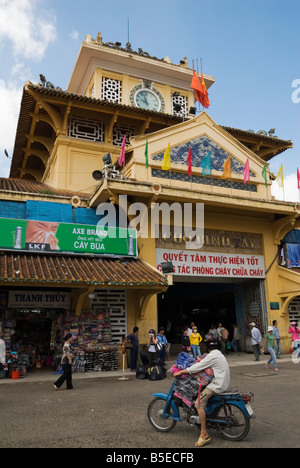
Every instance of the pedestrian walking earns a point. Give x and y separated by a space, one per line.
2 349
195 340
66 362
295 332
277 336
134 348
270 340
164 343
152 342
255 340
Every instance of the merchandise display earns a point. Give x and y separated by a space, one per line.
92 341
34 340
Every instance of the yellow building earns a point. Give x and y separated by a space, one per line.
236 276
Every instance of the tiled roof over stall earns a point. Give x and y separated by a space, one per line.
59 269
37 188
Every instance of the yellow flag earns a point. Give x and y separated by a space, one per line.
227 169
166 163
279 177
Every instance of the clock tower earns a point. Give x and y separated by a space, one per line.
114 92
121 75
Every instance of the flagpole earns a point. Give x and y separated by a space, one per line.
198 74
211 178
201 76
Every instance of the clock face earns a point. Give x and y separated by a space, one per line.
146 99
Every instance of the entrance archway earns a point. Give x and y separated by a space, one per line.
294 310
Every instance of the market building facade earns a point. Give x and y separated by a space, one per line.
65 174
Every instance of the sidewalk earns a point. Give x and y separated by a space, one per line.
234 360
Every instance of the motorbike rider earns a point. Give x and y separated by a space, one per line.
220 383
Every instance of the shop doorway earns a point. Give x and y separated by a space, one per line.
28 333
201 303
34 331
210 303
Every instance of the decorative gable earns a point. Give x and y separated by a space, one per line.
200 147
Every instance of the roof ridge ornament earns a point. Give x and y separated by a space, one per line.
128 48
47 84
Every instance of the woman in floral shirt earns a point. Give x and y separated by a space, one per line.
66 363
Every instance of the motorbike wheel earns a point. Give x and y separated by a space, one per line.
238 426
155 411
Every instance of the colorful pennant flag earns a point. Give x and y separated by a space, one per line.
122 155
227 169
206 164
279 177
166 163
264 174
146 155
246 172
298 178
189 161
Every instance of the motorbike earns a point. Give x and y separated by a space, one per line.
229 413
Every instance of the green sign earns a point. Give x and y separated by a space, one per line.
44 236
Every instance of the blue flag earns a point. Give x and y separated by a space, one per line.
206 164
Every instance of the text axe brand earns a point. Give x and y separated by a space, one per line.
46 236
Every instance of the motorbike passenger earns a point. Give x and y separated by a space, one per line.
220 383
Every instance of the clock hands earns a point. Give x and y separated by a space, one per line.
146 100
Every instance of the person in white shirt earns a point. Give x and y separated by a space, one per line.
2 349
255 341
190 329
213 331
219 384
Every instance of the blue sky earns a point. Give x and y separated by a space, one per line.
251 47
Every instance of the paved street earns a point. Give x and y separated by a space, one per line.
109 413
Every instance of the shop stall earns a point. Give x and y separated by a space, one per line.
92 344
33 328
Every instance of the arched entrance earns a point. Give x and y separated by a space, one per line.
294 310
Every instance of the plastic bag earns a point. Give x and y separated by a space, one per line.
185 360
187 388
156 373
141 372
